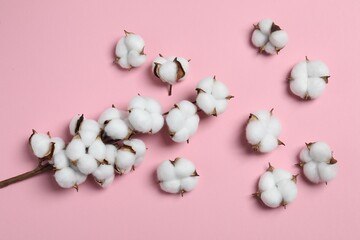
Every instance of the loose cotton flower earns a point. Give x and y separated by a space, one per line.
182 121
130 155
178 176
145 114
263 130
269 37
212 96
308 79
130 51
276 188
318 163
170 69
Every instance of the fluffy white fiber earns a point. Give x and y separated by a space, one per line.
263 131
268 37
318 163
145 114
309 78
130 155
182 121
212 96
277 187
130 51
178 176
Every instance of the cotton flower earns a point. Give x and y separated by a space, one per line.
87 129
182 121
145 114
44 146
269 37
130 51
178 176
263 130
309 78
170 69
212 96
110 114
276 188
129 156
318 162
104 175
68 177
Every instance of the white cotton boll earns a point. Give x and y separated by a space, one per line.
124 161
103 172
276 187
189 183
269 37
168 72
110 154
130 51
268 143
109 114
137 145
40 144
271 198
318 163
87 164
75 149
299 86
263 130
278 39
206 103
184 167
60 160
117 129
258 38
309 78
166 171
316 87
320 152
65 177
327 172
136 59
98 150
175 120
265 25
74 123
172 186
266 181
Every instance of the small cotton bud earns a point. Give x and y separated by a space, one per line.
212 96
269 37
308 79
130 51
75 149
145 114
263 131
276 188
87 164
117 129
103 172
66 177
97 150
318 162
178 176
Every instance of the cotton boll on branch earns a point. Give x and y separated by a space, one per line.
269 37
170 70
177 176
130 51
212 96
318 163
129 156
263 130
309 78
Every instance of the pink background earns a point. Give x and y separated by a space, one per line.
56 60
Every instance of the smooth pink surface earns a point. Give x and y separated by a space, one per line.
56 60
